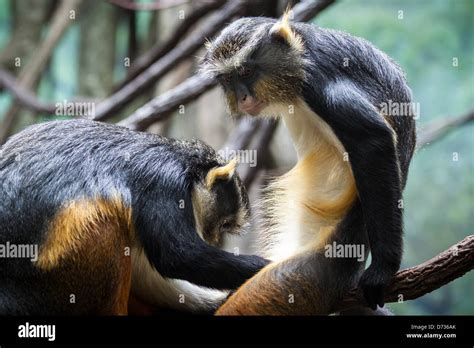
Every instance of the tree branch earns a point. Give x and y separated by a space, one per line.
261 145
31 73
182 51
162 107
307 9
23 95
420 280
242 134
439 128
160 49
30 101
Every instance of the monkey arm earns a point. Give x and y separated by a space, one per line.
173 246
208 266
370 144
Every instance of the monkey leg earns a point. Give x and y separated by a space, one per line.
306 284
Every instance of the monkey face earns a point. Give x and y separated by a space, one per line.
258 62
239 87
220 204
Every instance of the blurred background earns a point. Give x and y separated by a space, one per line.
136 62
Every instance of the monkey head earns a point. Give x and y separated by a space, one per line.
258 62
220 204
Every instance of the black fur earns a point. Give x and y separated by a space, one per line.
69 160
348 99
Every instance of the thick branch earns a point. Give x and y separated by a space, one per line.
182 51
439 128
161 107
253 134
420 280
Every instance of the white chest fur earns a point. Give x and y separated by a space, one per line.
305 205
151 287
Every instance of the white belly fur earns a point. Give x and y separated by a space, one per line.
151 287
305 205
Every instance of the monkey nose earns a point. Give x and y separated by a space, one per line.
250 105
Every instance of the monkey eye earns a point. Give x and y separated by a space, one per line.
246 72
227 78
226 225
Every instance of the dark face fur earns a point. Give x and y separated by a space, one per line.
258 62
220 205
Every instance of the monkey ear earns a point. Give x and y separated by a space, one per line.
208 44
221 173
281 30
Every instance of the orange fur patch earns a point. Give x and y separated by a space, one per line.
283 29
277 290
76 222
221 173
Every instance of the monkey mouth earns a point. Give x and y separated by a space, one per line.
254 108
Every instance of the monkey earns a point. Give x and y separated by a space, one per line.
329 88
113 211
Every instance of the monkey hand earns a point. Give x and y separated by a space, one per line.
373 283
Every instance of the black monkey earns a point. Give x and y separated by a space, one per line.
335 94
105 205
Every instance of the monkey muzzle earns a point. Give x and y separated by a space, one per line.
250 105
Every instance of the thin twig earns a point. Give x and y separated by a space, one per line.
439 128
23 95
